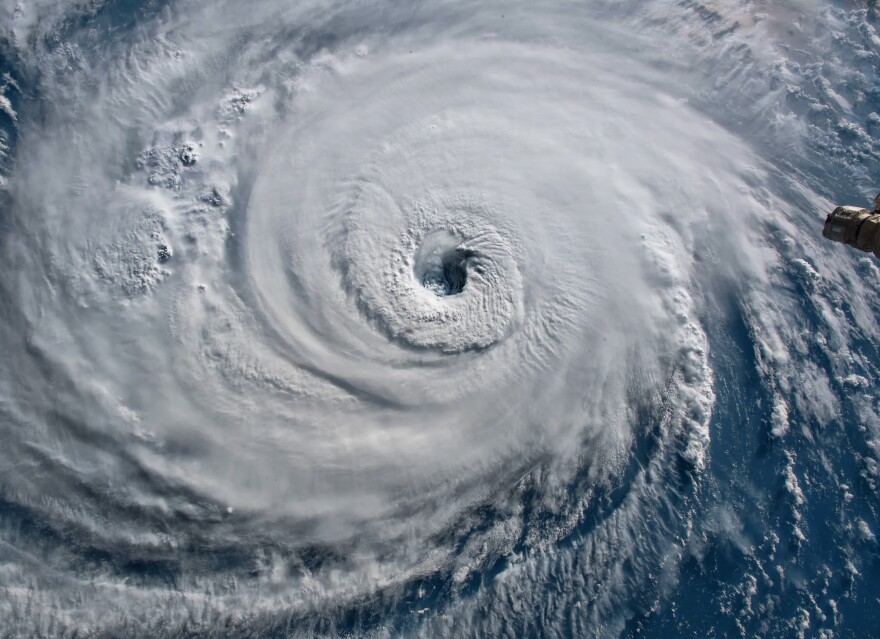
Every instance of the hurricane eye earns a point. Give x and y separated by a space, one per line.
442 263
449 276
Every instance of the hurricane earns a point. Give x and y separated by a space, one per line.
450 319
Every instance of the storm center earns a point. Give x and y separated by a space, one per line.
441 264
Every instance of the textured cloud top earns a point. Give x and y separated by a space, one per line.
376 320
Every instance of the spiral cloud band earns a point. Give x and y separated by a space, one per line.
372 321
350 219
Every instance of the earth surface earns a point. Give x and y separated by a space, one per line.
440 319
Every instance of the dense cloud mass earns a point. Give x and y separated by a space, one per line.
437 319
